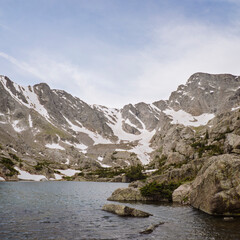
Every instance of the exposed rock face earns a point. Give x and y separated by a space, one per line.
181 194
232 143
216 189
125 211
206 93
127 194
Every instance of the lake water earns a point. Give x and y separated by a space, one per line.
72 210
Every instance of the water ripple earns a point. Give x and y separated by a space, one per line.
72 210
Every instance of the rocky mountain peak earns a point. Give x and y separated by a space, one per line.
206 93
54 123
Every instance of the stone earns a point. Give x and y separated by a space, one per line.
125 211
216 189
152 227
228 219
181 194
127 194
233 141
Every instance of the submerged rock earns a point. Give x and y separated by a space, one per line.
216 189
122 210
228 219
150 229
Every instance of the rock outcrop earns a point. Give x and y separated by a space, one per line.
181 194
216 189
127 194
125 211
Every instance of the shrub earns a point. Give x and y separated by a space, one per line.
107 172
162 160
200 147
67 178
8 163
220 137
41 165
207 135
38 167
163 191
15 157
81 174
135 173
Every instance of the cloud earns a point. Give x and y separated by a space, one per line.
61 75
182 49
114 76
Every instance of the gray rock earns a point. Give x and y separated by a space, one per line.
216 189
181 194
232 141
228 219
127 194
152 227
125 211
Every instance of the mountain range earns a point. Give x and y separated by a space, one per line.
40 125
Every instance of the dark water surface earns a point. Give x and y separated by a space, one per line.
72 210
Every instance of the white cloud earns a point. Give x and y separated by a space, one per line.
177 50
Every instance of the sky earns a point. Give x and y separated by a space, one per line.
115 52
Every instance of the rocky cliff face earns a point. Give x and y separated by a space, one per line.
40 125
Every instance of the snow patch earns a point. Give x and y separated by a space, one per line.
97 138
120 150
2 179
57 176
67 161
182 117
99 160
155 108
233 109
130 124
28 176
142 123
103 165
54 146
143 148
30 121
16 127
31 97
150 171
79 146
127 162
68 172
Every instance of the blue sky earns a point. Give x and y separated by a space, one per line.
113 52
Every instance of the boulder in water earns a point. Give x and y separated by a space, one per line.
122 210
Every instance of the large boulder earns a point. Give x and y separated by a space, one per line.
181 194
232 143
216 189
122 210
127 194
